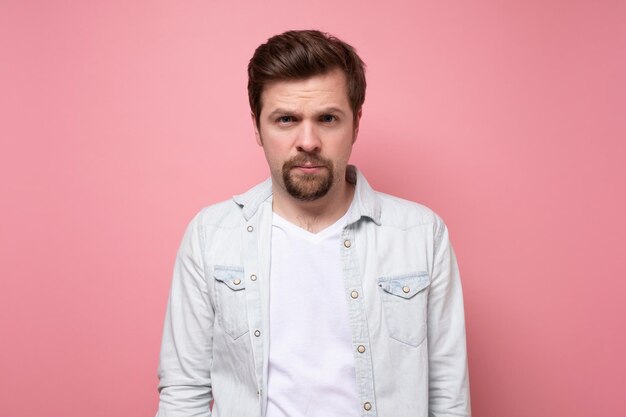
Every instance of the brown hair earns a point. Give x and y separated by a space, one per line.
300 54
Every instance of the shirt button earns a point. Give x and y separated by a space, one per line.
406 290
367 406
237 282
250 228
252 277
257 333
354 294
361 348
347 243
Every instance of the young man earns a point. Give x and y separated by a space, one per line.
312 294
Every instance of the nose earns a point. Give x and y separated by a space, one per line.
308 139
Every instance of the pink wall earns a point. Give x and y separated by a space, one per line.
120 119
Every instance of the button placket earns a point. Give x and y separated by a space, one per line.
360 337
251 233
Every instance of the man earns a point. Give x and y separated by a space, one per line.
312 294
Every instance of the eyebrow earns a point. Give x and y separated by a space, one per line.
278 111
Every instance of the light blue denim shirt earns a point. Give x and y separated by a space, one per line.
404 297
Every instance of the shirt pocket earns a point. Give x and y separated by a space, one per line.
230 297
405 301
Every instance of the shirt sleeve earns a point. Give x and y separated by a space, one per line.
448 372
186 348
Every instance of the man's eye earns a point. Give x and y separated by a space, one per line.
328 118
285 119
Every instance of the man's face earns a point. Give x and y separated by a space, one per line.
307 130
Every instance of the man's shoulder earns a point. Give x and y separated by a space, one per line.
226 213
234 211
402 213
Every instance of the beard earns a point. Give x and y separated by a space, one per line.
308 187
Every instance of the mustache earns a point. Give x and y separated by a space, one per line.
307 159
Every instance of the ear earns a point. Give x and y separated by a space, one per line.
259 140
357 122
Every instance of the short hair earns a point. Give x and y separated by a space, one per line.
300 54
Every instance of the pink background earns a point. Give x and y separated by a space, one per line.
120 119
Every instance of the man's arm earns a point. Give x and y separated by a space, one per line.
186 349
448 374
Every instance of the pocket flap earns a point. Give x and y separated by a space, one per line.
405 286
232 276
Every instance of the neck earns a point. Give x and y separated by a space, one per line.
316 215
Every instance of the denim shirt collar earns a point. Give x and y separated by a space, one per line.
366 202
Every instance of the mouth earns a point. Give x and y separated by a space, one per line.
309 168
307 165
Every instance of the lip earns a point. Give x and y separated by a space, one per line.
309 168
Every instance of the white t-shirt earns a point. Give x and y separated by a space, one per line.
311 363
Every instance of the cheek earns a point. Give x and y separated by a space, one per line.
347 146
275 156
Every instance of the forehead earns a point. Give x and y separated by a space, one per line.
319 90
